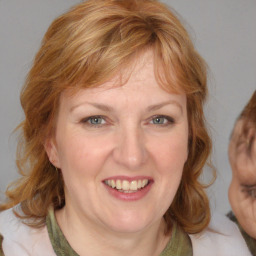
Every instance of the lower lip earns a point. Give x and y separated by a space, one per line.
134 196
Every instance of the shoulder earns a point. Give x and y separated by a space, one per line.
221 238
20 239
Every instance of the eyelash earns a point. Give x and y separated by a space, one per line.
168 121
250 190
88 120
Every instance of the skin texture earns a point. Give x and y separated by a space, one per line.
128 142
242 190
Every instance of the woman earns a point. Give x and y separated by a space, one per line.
242 157
114 140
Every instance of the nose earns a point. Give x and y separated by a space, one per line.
130 150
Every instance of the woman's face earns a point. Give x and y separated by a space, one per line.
121 150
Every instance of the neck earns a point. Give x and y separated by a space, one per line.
88 238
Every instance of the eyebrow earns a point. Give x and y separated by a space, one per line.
96 105
107 108
162 104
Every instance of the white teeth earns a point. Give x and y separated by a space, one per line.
118 184
126 186
139 185
133 185
144 183
113 184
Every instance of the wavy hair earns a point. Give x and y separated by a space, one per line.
248 115
84 48
249 112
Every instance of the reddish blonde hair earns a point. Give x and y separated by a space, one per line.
84 48
249 112
248 116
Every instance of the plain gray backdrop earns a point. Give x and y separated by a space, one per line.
224 32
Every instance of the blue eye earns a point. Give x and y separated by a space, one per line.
96 120
159 120
162 120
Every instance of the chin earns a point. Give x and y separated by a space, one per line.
129 223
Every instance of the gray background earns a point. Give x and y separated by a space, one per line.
223 31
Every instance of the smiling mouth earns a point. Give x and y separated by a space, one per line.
126 186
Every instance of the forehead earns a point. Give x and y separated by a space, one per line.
138 80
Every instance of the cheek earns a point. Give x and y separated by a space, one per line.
81 156
79 166
171 153
170 164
